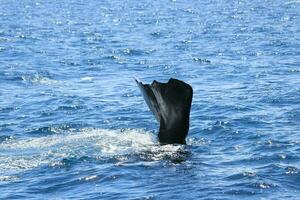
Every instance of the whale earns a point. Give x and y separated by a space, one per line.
171 104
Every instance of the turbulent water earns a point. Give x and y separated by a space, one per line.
73 124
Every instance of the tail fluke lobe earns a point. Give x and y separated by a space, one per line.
171 104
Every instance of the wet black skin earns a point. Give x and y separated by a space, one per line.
171 104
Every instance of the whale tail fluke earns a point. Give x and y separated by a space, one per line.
171 104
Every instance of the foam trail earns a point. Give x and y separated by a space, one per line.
23 154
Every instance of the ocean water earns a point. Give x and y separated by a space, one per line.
73 124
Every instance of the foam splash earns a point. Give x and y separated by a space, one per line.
18 155
87 79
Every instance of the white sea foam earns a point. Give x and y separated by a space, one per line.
86 78
24 154
17 155
292 2
8 178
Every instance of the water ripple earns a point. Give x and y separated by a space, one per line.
73 123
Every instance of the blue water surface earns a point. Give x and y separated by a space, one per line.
73 124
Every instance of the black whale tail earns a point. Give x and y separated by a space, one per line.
171 104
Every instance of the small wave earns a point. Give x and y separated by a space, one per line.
2 49
55 129
69 63
293 2
242 175
264 185
156 34
200 60
136 52
70 107
4 137
38 79
8 109
87 79
45 131
198 141
89 178
112 57
8 178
